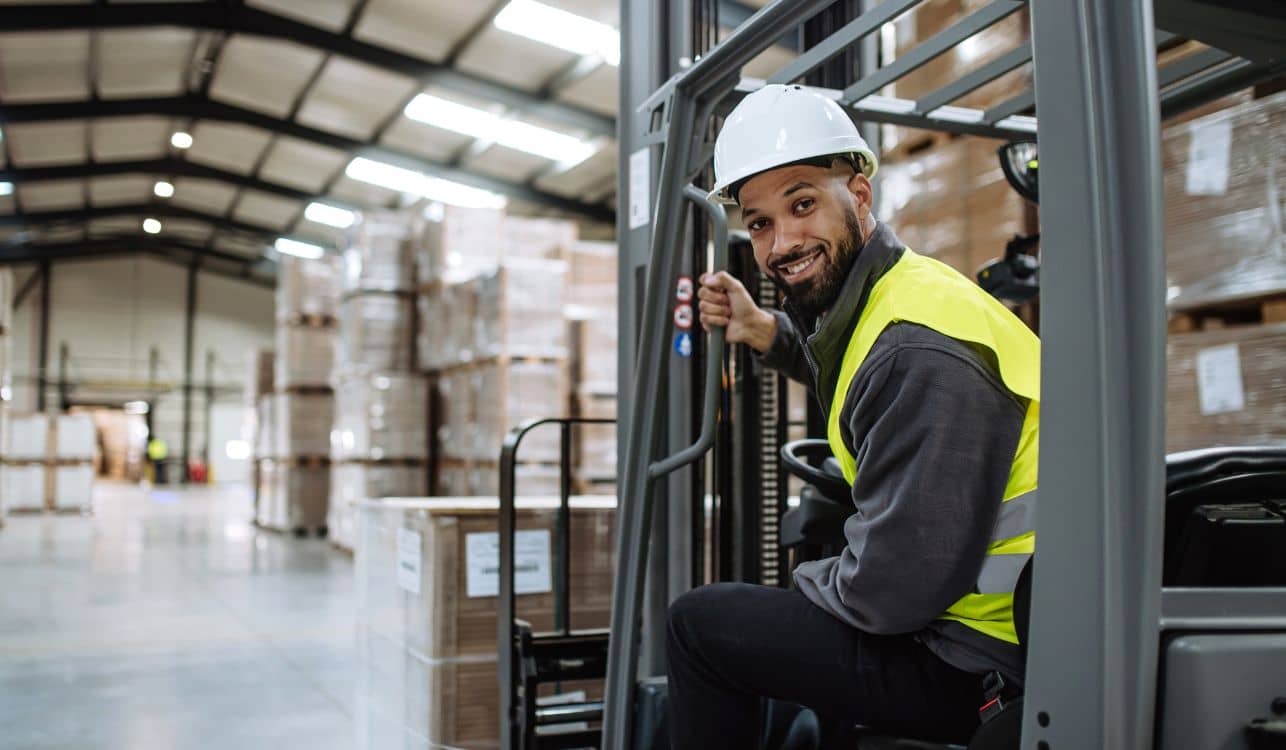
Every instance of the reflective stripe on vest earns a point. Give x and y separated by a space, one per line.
923 291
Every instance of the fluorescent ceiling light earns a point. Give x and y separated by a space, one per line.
331 216
486 126
298 249
163 189
419 184
151 226
561 29
181 140
136 407
6 188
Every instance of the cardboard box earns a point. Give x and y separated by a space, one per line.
1223 184
381 416
302 423
427 624
381 257
355 481
74 437
1226 387
305 356
23 486
306 287
71 486
376 333
293 496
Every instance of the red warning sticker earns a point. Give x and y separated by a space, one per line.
685 289
683 316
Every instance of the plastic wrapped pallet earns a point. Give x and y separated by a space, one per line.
429 348
506 394
266 427
459 312
1226 387
307 288
376 333
460 240
380 257
427 610
71 486
270 511
23 486
381 416
595 443
356 481
302 422
1225 240
305 356
74 437
524 238
519 311
28 437
303 493
457 427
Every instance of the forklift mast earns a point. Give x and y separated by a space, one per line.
1099 96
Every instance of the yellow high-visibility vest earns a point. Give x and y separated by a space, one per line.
926 292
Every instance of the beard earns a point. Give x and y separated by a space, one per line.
814 296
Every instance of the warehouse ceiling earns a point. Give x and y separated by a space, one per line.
225 121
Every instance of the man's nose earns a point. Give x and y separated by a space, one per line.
787 239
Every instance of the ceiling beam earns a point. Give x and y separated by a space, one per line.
732 14
172 251
243 20
206 109
156 210
167 167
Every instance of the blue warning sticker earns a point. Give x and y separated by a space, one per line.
683 344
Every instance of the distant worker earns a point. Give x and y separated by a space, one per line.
931 390
157 452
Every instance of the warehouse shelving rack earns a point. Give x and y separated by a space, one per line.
1099 97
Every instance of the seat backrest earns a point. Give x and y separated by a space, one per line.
1022 604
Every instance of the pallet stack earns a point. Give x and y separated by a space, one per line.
591 310
295 419
427 588
494 333
49 465
1226 273
380 438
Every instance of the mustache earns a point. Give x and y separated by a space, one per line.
778 265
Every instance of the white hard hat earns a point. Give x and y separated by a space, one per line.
779 125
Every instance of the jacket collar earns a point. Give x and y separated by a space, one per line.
830 336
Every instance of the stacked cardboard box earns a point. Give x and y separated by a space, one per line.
50 462
427 583
591 309
380 444
293 419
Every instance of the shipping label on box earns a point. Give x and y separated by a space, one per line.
408 560
532 563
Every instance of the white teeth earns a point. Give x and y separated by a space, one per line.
796 268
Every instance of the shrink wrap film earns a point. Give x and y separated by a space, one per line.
74 437
381 256
535 239
1224 185
426 647
457 240
519 311
596 443
23 487
307 287
376 334
508 394
381 416
305 356
354 482
266 427
292 496
457 426
303 422
28 437
71 487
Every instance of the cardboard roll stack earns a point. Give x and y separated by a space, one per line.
427 603
380 436
294 413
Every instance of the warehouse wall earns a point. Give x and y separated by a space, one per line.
111 313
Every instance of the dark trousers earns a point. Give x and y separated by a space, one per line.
730 645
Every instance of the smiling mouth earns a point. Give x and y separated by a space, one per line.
793 269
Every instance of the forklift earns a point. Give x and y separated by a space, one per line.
1156 615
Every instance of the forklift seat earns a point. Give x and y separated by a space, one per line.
1225 525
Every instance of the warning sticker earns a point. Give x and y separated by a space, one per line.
683 316
685 289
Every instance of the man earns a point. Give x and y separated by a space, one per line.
931 392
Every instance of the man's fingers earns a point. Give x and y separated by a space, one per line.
713 319
715 308
714 295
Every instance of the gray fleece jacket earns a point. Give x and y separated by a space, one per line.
934 431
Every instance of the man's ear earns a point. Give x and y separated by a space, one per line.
860 188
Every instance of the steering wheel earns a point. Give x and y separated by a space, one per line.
811 460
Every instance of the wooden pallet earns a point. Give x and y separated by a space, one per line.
310 320
1257 311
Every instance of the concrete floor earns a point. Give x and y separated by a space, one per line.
166 620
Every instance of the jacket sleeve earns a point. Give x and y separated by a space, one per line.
786 354
937 432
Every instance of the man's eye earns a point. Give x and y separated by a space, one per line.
757 224
804 205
